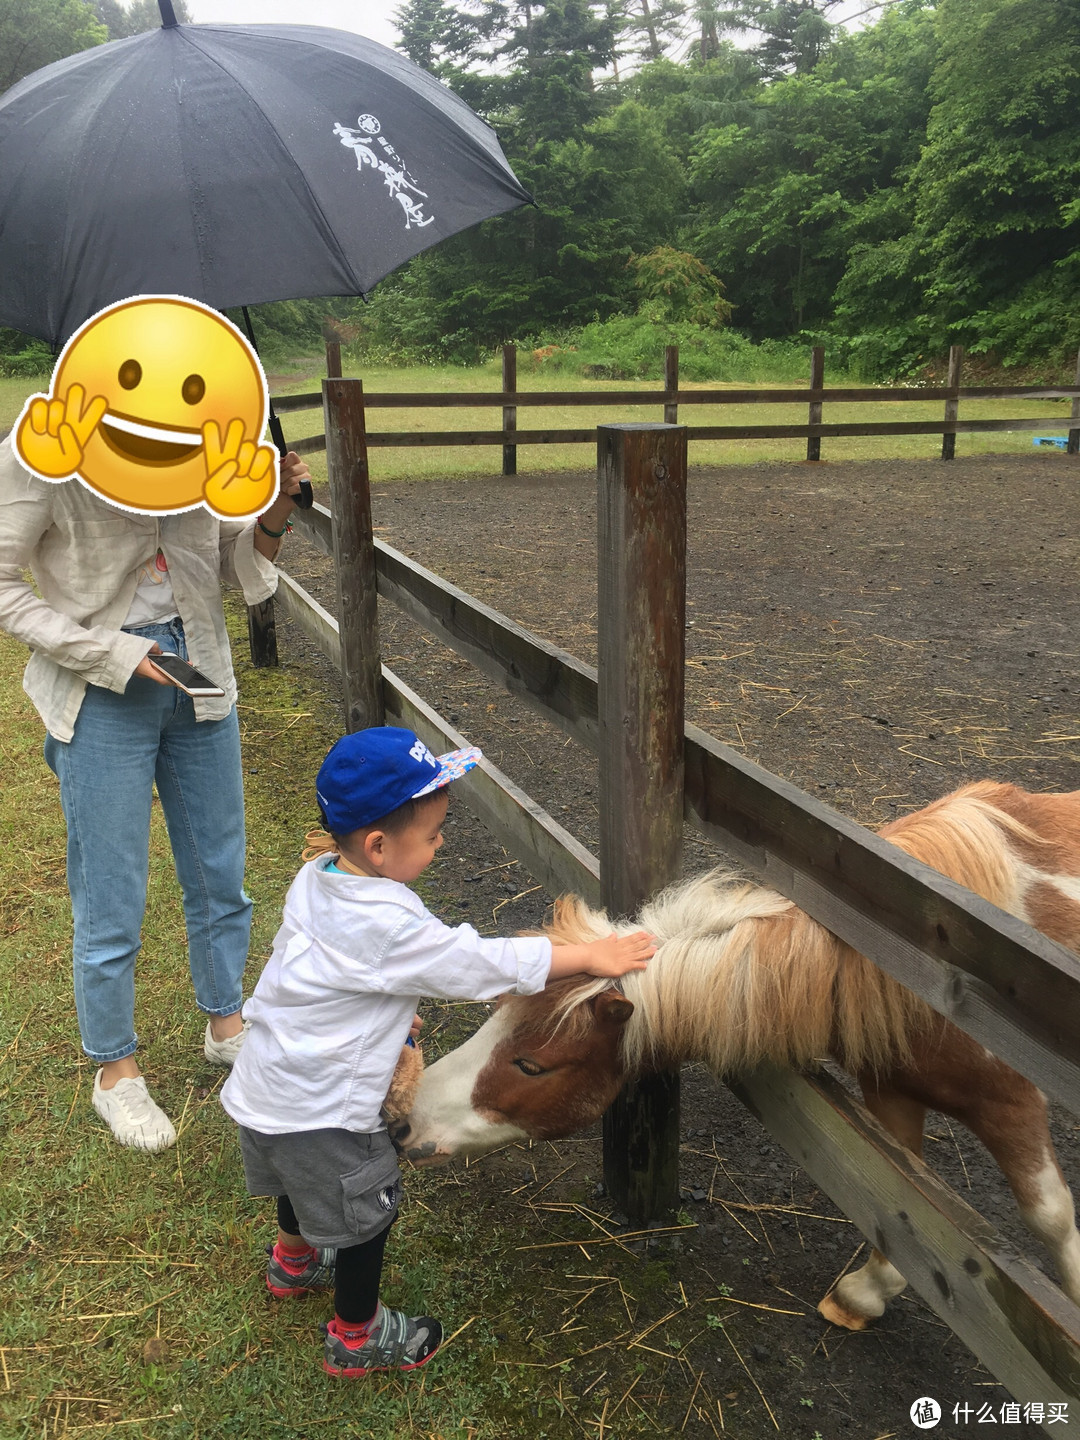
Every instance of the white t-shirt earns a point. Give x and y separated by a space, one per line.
334 1004
153 602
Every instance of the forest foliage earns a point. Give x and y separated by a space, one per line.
700 166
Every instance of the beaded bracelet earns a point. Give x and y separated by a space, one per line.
274 534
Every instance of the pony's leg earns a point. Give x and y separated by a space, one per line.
1018 1137
862 1296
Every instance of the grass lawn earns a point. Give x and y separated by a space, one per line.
133 1296
422 462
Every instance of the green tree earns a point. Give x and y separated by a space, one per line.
437 36
676 287
34 33
552 50
601 197
785 196
796 34
691 99
648 28
984 246
1000 170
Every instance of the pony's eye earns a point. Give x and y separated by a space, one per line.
529 1067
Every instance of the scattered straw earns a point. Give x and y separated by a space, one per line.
750 1304
749 1372
693 1397
609 1240
458 1331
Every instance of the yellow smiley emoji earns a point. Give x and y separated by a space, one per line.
157 403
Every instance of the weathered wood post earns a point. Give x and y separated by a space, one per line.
952 407
641 506
354 551
509 385
817 382
333 359
1073 447
262 634
671 382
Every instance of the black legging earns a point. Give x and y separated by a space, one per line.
358 1272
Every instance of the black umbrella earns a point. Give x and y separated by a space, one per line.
231 164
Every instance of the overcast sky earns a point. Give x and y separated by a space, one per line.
366 17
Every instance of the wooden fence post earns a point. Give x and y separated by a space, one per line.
509 385
262 634
641 504
952 407
333 359
817 382
671 382
354 551
1073 447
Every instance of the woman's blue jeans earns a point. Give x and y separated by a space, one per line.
122 744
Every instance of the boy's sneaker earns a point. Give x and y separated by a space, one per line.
394 1341
224 1052
285 1278
132 1116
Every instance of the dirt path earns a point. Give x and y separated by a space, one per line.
877 633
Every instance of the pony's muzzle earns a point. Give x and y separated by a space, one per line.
398 1130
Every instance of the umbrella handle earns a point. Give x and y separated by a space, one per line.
306 498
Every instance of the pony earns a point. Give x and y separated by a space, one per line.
742 976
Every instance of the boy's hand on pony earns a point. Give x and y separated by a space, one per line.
608 958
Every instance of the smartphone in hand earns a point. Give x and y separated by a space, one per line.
184 676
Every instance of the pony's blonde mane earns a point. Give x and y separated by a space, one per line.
741 975
966 836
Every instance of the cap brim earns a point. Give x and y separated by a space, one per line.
452 767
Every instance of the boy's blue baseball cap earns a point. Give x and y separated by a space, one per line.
371 772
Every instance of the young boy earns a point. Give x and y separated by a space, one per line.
328 1018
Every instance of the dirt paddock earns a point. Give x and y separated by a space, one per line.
878 633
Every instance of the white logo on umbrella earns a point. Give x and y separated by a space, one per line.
362 142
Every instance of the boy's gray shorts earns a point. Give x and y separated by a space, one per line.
344 1188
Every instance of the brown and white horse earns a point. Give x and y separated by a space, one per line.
743 976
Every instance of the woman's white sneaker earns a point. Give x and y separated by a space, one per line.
132 1116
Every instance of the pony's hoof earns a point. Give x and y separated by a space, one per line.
837 1314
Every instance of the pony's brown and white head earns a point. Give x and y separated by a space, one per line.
543 1066
739 977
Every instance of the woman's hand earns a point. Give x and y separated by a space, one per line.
292 470
147 671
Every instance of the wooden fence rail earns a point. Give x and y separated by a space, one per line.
1008 986
511 401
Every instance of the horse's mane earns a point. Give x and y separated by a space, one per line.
742 975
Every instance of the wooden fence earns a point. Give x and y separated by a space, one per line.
510 400
1010 987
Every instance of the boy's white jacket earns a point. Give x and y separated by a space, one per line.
334 1004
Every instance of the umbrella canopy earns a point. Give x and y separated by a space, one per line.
233 165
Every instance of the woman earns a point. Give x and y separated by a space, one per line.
114 588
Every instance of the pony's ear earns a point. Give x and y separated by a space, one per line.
611 1008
